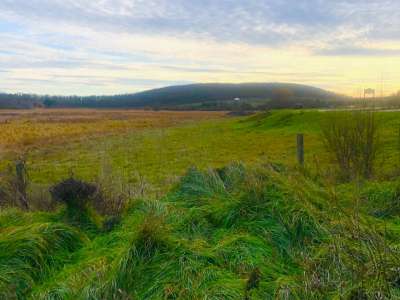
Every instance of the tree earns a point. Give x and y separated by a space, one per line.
49 103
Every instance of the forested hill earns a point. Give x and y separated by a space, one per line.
210 95
195 96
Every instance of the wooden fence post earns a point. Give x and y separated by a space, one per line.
300 149
21 183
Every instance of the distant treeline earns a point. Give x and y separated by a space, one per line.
19 101
27 101
203 97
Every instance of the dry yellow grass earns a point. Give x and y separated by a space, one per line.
22 129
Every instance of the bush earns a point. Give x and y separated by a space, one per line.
116 190
353 141
75 194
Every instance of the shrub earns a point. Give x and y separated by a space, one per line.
116 190
353 141
75 194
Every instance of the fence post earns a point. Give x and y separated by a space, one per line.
21 183
300 149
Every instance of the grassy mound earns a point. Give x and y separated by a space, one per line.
231 233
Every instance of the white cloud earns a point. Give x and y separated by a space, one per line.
107 46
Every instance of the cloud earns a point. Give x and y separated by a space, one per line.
107 46
150 82
358 51
250 21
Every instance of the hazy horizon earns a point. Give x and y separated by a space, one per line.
126 46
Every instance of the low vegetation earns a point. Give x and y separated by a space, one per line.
231 233
258 229
23 130
354 141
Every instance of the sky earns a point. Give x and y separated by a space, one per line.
86 47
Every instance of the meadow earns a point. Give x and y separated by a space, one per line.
24 129
196 205
161 146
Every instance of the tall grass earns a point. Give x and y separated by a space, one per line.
30 130
230 233
29 252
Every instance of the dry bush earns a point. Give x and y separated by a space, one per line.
353 140
73 192
115 190
14 183
40 199
76 195
16 190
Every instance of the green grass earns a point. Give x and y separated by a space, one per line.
217 229
161 155
207 237
29 252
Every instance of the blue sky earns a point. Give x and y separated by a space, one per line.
120 46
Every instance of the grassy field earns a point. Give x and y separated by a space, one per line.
219 210
30 129
161 146
58 142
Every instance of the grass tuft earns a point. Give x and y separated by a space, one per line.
29 252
